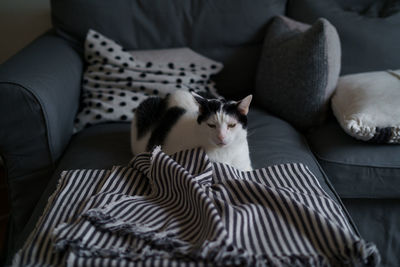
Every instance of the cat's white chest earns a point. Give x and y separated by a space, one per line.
236 155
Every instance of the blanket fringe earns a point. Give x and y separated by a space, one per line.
165 245
367 254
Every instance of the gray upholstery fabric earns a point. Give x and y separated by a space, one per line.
226 31
368 30
379 221
355 168
367 178
97 147
39 95
298 70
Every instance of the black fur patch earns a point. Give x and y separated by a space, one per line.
232 110
207 108
210 107
148 114
164 125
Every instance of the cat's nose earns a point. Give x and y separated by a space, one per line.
221 137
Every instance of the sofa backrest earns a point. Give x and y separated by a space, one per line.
229 31
232 31
369 30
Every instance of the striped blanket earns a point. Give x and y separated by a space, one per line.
184 210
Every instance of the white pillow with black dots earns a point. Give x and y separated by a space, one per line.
116 81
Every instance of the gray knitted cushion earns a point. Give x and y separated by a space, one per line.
298 70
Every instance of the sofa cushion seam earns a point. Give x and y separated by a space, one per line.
355 164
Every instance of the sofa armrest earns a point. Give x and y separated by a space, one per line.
39 97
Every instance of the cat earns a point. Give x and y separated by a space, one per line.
186 120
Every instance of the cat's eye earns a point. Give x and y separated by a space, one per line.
211 125
232 125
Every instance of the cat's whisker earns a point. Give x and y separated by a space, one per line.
250 133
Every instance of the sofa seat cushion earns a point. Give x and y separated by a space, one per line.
271 141
356 169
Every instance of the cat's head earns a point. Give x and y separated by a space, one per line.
224 121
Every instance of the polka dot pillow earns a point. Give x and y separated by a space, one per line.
116 80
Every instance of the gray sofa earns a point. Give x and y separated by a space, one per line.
40 95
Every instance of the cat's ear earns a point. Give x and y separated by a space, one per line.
244 104
201 101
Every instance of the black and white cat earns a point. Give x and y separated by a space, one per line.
184 120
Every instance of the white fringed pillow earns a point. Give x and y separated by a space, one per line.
367 106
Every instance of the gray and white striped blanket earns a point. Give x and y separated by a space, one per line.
183 210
